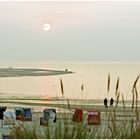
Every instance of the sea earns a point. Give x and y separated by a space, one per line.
92 75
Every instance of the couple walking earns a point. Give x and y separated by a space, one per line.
111 102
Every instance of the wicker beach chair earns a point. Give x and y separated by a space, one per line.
47 115
23 114
78 115
94 118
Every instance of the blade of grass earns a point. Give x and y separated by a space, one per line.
137 113
82 87
123 101
136 93
62 89
68 104
117 86
133 100
108 85
134 85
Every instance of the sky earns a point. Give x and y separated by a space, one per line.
80 30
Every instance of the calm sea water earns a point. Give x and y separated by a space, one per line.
93 75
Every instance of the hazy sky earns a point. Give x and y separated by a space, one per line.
95 30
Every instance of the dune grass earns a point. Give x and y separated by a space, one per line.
111 128
64 129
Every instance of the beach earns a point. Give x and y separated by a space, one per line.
70 69
63 89
64 116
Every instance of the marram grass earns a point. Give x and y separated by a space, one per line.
110 128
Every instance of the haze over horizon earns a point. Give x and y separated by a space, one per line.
86 31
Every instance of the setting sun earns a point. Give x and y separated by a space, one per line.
46 26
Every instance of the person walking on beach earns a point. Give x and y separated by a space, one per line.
105 102
111 102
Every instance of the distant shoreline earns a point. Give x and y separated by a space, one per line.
17 72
